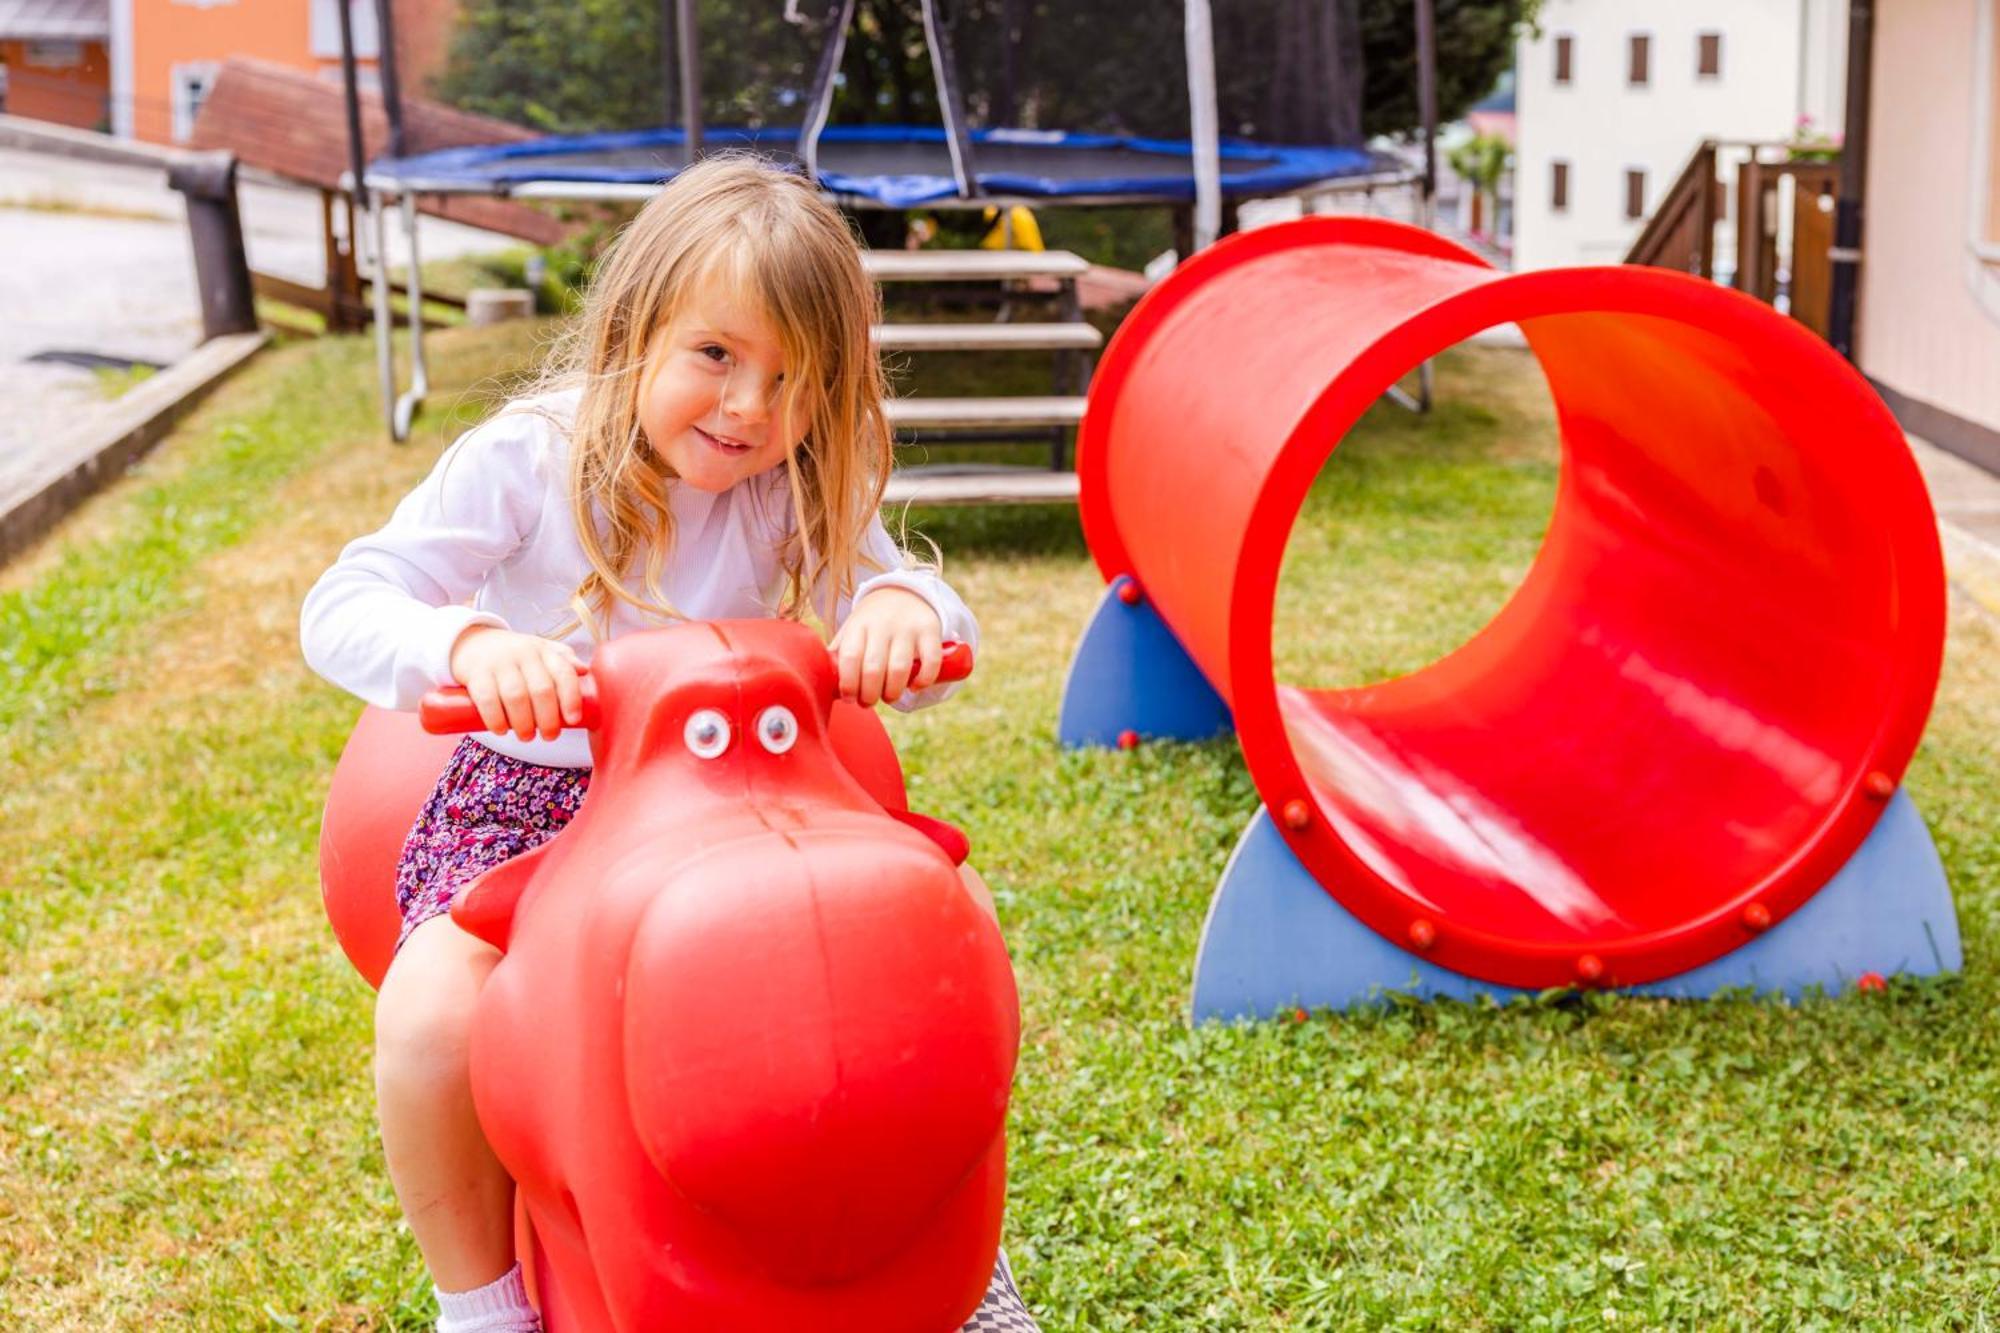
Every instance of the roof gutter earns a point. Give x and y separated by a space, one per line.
1848 209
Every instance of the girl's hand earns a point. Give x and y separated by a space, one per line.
519 682
892 641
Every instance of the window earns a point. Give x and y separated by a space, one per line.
1708 56
1635 194
191 83
1639 72
325 29
1559 187
1564 45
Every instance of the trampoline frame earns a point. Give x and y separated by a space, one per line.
381 187
383 192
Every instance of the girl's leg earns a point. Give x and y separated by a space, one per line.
454 1192
1003 1310
976 886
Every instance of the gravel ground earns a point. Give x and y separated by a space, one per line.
99 261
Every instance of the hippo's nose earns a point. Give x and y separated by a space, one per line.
819 1035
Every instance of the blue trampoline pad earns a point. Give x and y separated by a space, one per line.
894 166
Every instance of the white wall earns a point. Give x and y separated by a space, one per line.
1780 59
1930 267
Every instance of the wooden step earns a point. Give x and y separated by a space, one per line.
983 486
971 265
1000 413
986 337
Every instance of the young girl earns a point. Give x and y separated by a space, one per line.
716 429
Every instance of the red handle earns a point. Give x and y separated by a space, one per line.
449 710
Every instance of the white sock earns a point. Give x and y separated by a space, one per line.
501 1306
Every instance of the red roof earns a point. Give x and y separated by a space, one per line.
293 123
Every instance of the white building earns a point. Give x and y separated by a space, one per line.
1613 96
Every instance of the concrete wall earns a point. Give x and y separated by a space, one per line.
1930 275
1781 59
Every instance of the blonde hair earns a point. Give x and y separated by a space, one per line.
767 233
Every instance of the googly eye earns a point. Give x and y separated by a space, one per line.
777 729
707 734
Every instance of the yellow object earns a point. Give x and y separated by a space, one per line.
1017 231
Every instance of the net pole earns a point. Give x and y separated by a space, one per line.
824 77
1203 124
690 44
951 106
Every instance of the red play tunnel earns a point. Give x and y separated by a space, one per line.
1688 716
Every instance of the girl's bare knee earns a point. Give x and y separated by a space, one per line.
423 1014
976 886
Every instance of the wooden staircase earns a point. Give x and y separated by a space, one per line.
967 420
1681 233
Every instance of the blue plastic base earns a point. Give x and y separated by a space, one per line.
1131 674
1275 940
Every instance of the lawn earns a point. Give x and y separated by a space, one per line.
186 1132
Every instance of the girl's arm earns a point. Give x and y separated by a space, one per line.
381 623
955 620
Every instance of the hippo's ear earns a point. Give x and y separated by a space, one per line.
486 908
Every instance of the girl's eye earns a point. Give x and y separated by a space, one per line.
777 729
707 734
714 353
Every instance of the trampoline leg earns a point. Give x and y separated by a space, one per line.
1275 940
1131 674
420 383
385 329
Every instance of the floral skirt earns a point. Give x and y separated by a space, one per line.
486 808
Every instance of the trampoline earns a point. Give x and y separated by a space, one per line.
887 166
871 166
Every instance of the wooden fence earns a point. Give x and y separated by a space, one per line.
1681 233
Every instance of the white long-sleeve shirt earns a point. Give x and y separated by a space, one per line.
493 524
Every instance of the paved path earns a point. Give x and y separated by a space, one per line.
98 260
1967 499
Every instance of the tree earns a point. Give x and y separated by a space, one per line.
1482 162
1284 68
1475 42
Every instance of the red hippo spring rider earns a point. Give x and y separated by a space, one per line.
748 1052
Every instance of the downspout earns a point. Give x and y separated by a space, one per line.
1847 217
1805 57
385 69
124 88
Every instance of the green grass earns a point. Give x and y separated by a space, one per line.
186 1132
42 203
116 382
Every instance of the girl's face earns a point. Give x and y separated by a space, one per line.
710 397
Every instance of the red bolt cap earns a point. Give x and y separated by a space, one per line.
1871 981
1128 739
1422 934
1589 967
1879 786
1757 917
1296 814
1128 593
